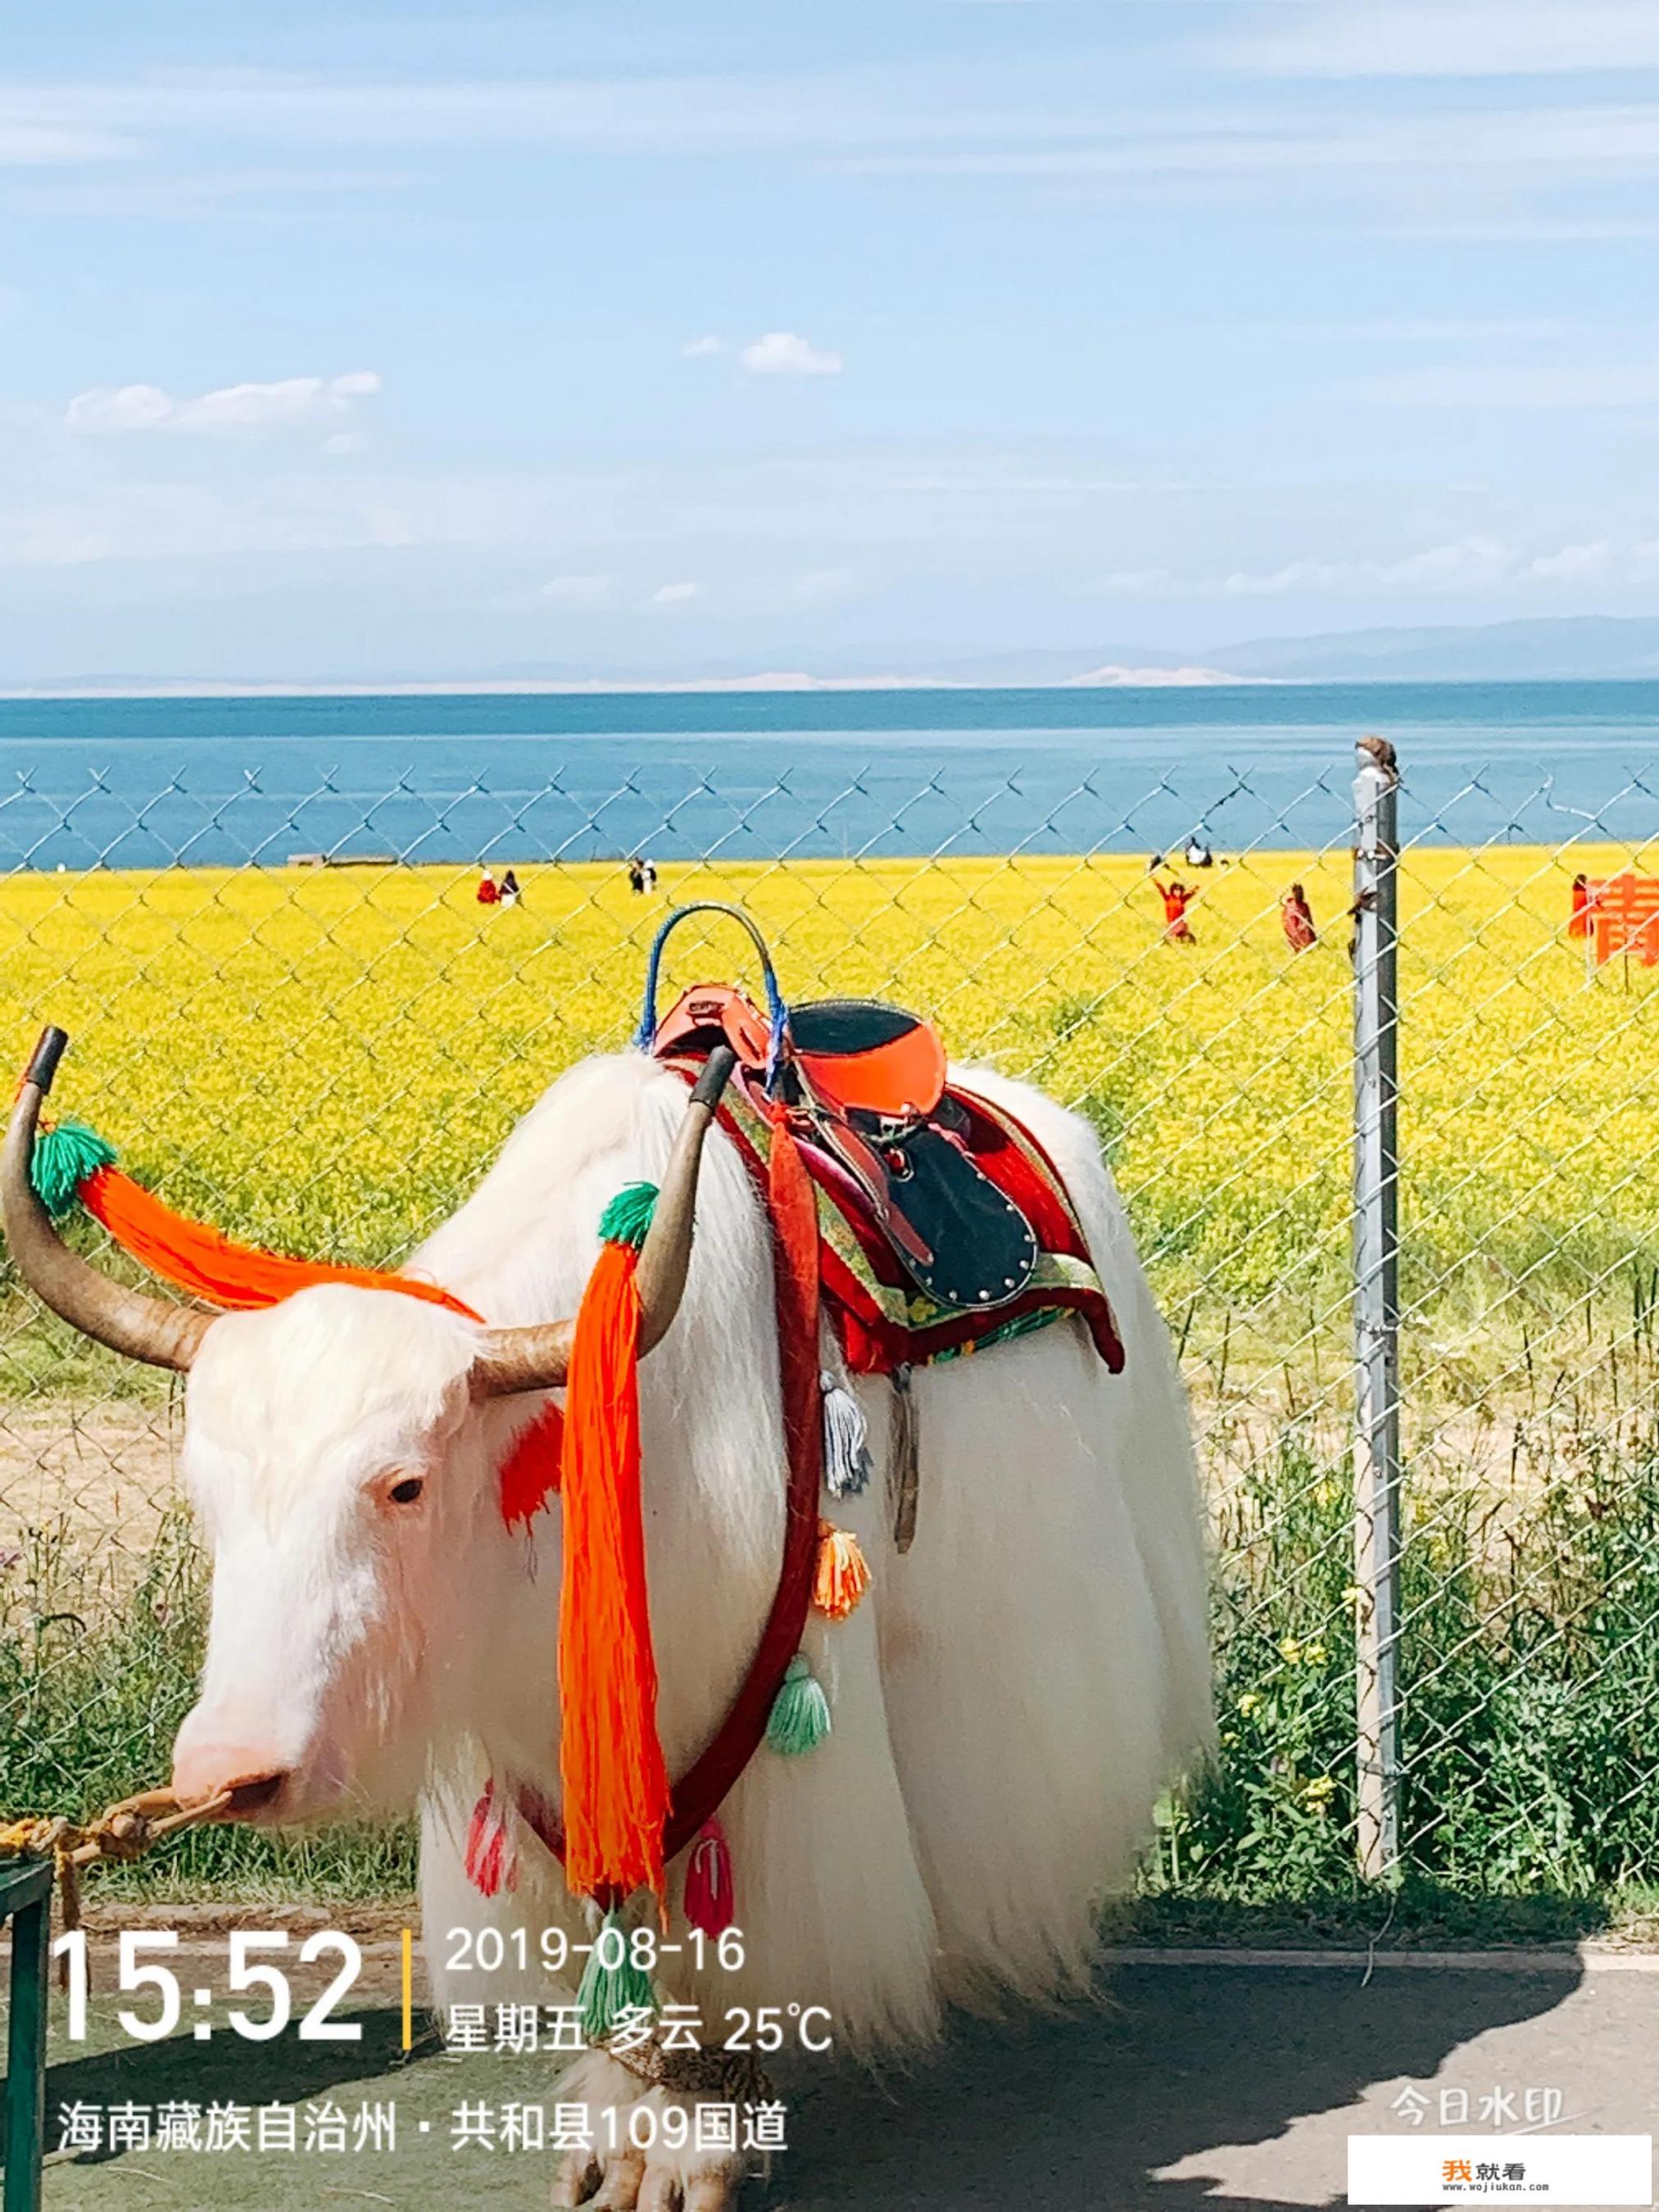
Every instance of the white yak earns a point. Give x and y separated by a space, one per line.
1008 1702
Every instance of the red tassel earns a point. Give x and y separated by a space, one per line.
710 1902
530 1472
492 1864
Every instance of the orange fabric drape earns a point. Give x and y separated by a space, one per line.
201 1260
615 1780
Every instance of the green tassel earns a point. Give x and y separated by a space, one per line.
800 1712
607 1992
628 1217
63 1159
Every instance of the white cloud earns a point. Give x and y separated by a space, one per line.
1405 154
782 353
675 595
819 585
25 142
1294 576
139 191
132 407
698 114
1467 564
1411 330
1611 385
104 516
576 591
699 348
1464 567
296 402
1573 564
1446 38
1137 584
1527 230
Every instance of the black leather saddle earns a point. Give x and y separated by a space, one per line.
865 1084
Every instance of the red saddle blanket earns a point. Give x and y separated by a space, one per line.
882 1319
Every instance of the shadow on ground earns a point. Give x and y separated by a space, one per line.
1089 2111
1220 2070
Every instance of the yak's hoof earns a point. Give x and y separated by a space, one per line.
626 2181
629 2180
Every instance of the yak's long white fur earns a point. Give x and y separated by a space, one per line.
1007 1703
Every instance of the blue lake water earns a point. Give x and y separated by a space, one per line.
145 782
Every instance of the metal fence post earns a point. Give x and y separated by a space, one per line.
1377 1307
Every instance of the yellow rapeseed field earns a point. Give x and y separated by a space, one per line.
326 1059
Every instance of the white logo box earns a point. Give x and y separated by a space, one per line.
1428 2170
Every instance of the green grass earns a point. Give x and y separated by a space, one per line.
93 1694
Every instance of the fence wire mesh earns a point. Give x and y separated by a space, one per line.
293 1016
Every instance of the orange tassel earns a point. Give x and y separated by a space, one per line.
843 1577
616 1782
199 1260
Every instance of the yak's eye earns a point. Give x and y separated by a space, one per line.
406 1491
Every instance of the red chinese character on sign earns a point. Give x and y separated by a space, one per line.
1625 910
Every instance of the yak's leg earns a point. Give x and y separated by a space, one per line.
833 1914
1043 1641
1027 1677
1141 1424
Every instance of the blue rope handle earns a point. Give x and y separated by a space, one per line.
777 1013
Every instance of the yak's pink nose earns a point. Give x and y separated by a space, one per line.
205 1768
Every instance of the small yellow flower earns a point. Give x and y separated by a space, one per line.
1314 1655
1319 1790
1249 1701
1290 1651
1353 1595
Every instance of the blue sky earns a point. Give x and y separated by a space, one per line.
350 341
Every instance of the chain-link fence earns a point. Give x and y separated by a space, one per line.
294 1017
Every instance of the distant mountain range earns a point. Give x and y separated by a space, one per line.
1574 647
1563 648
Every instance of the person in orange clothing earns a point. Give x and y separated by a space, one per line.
1177 897
1296 915
1579 925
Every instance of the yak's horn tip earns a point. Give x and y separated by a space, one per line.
43 1061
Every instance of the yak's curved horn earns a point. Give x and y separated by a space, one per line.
538 1357
127 1321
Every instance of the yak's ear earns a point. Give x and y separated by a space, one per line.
538 1357
127 1321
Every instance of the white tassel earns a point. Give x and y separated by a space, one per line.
847 1463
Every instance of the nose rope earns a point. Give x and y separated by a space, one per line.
123 1832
